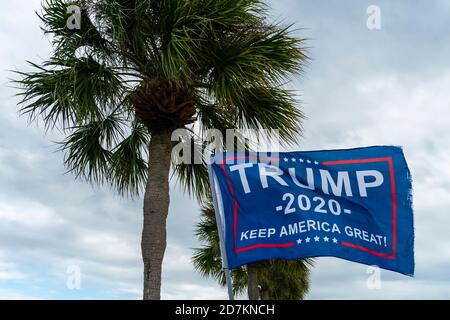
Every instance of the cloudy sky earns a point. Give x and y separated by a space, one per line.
362 87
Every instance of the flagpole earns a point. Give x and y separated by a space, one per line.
221 240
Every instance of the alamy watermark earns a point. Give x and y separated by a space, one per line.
374 17
73 281
74 20
373 281
197 149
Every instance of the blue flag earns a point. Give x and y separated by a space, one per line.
353 204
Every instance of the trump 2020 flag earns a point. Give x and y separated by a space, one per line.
352 204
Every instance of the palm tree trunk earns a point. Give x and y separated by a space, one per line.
156 206
252 283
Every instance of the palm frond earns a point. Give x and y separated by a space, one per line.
131 26
270 108
128 168
87 149
67 92
54 16
192 174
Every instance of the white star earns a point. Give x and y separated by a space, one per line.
309 161
286 159
307 239
326 239
316 239
293 159
299 241
301 160
316 163
335 240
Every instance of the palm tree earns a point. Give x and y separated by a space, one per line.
271 279
136 70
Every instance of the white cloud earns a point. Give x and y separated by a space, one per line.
13 295
8 271
7 275
30 214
